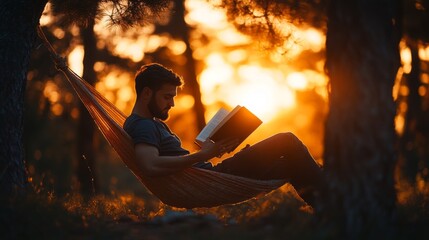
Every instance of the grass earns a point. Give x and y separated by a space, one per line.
277 216
44 216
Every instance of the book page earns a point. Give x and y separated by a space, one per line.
211 125
225 119
237 125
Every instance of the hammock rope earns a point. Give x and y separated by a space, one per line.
190 188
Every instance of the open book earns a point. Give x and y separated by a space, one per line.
237 124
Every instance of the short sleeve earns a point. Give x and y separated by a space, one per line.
142 131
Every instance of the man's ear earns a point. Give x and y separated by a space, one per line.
146 93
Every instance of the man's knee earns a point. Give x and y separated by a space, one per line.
294 149
287 137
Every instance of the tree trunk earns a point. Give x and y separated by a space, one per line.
408 146
191 76
362 61
178 28
86 149
18 31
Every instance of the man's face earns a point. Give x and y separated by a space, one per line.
162 100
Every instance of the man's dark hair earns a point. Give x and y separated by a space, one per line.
155 75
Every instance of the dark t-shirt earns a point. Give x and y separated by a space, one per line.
155 133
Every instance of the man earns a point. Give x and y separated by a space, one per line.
159 152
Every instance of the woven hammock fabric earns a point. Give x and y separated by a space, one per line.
190 188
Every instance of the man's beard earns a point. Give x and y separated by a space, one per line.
156 111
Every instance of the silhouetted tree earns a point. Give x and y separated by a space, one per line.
185 64
362 61
413 143
86 150
259 18
183 31
19 20
408 146
17 26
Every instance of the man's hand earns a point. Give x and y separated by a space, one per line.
217 149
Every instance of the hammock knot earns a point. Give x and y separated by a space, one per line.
60 62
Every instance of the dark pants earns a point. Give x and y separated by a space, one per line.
282 156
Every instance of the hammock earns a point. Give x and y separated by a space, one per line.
190 188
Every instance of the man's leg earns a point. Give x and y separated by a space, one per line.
282 156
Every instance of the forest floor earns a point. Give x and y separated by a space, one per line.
279 215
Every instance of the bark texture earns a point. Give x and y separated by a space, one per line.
362 61
19 19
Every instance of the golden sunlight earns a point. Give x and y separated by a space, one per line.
399 124
57 109
422 91
75 60
185 102
405 57
133 49
241 76
51 92
46 17
117 88
59 33
425 78
297 81
230 37
177 47
424 53
154 42
201 12
130 43
313 39
261 92
252 86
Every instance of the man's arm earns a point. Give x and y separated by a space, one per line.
152 164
